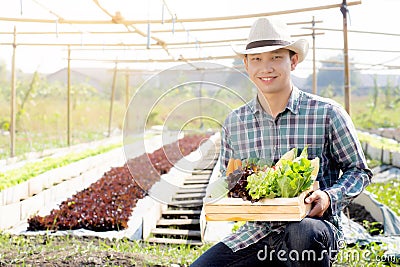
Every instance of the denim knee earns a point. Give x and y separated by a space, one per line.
309 233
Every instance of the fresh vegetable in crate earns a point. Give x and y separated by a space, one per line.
237 177
289 177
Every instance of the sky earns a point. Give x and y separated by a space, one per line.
371 15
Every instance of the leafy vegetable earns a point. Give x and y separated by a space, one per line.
294 177
288 178
262 184
290 155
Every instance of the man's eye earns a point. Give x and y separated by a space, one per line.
255 59
276 57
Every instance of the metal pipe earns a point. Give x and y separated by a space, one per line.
13 97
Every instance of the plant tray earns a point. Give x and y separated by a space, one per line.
277 209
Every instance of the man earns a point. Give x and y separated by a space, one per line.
282 117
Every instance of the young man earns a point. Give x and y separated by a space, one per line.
282 117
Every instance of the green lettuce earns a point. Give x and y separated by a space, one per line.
288 180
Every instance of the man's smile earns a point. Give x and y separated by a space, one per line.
267 80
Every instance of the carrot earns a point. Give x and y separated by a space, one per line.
238 164
230 167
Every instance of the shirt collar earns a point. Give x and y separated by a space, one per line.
294 100
292 105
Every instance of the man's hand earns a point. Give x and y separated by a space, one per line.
320 203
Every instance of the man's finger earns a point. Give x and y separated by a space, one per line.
315 212
311 198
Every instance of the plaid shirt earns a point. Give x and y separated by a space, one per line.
323 125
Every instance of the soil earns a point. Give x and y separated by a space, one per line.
42 250
38 250
50 250
359 214
107 204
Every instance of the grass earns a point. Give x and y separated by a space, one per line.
371 255
93 251
379 142
365 116
30 170
39 249
44 124
387 193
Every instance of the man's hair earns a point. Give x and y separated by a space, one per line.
291 53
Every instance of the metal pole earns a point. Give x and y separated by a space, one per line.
13 97
126 89
69 98
127 98
112 99
314 83
200 100
344 11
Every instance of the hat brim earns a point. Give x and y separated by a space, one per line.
300 47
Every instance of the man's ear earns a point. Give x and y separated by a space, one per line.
294 60
245 61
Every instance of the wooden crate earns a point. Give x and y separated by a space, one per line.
277 209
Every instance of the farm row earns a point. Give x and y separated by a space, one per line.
105 204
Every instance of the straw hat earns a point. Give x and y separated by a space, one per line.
267 35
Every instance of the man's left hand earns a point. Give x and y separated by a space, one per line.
320 203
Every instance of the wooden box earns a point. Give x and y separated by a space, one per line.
277 209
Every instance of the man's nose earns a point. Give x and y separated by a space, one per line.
267 66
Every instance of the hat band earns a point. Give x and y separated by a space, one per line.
266 43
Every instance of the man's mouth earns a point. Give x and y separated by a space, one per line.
267 79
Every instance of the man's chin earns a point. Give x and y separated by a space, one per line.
267 90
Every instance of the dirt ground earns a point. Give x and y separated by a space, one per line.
38 250
64 258
51 250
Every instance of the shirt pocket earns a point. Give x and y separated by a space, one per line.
314 151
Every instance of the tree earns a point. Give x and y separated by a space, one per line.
4 83
331 76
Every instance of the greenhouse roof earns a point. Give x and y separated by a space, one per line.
168 31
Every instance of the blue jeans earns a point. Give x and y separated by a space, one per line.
310 242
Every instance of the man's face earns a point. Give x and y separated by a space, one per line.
270 71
